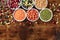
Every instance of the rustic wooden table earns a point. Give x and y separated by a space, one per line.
32 31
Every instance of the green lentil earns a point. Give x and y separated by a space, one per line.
45 14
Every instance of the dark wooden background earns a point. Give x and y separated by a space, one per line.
36 31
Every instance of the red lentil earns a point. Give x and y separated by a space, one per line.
19 14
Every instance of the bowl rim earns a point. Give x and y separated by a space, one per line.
50 17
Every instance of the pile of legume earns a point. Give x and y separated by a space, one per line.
32 15
46 15
27 4
19 15
40 3
13 3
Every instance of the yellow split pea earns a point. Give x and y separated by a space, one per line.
41 4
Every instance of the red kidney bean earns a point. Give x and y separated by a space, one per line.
13 3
